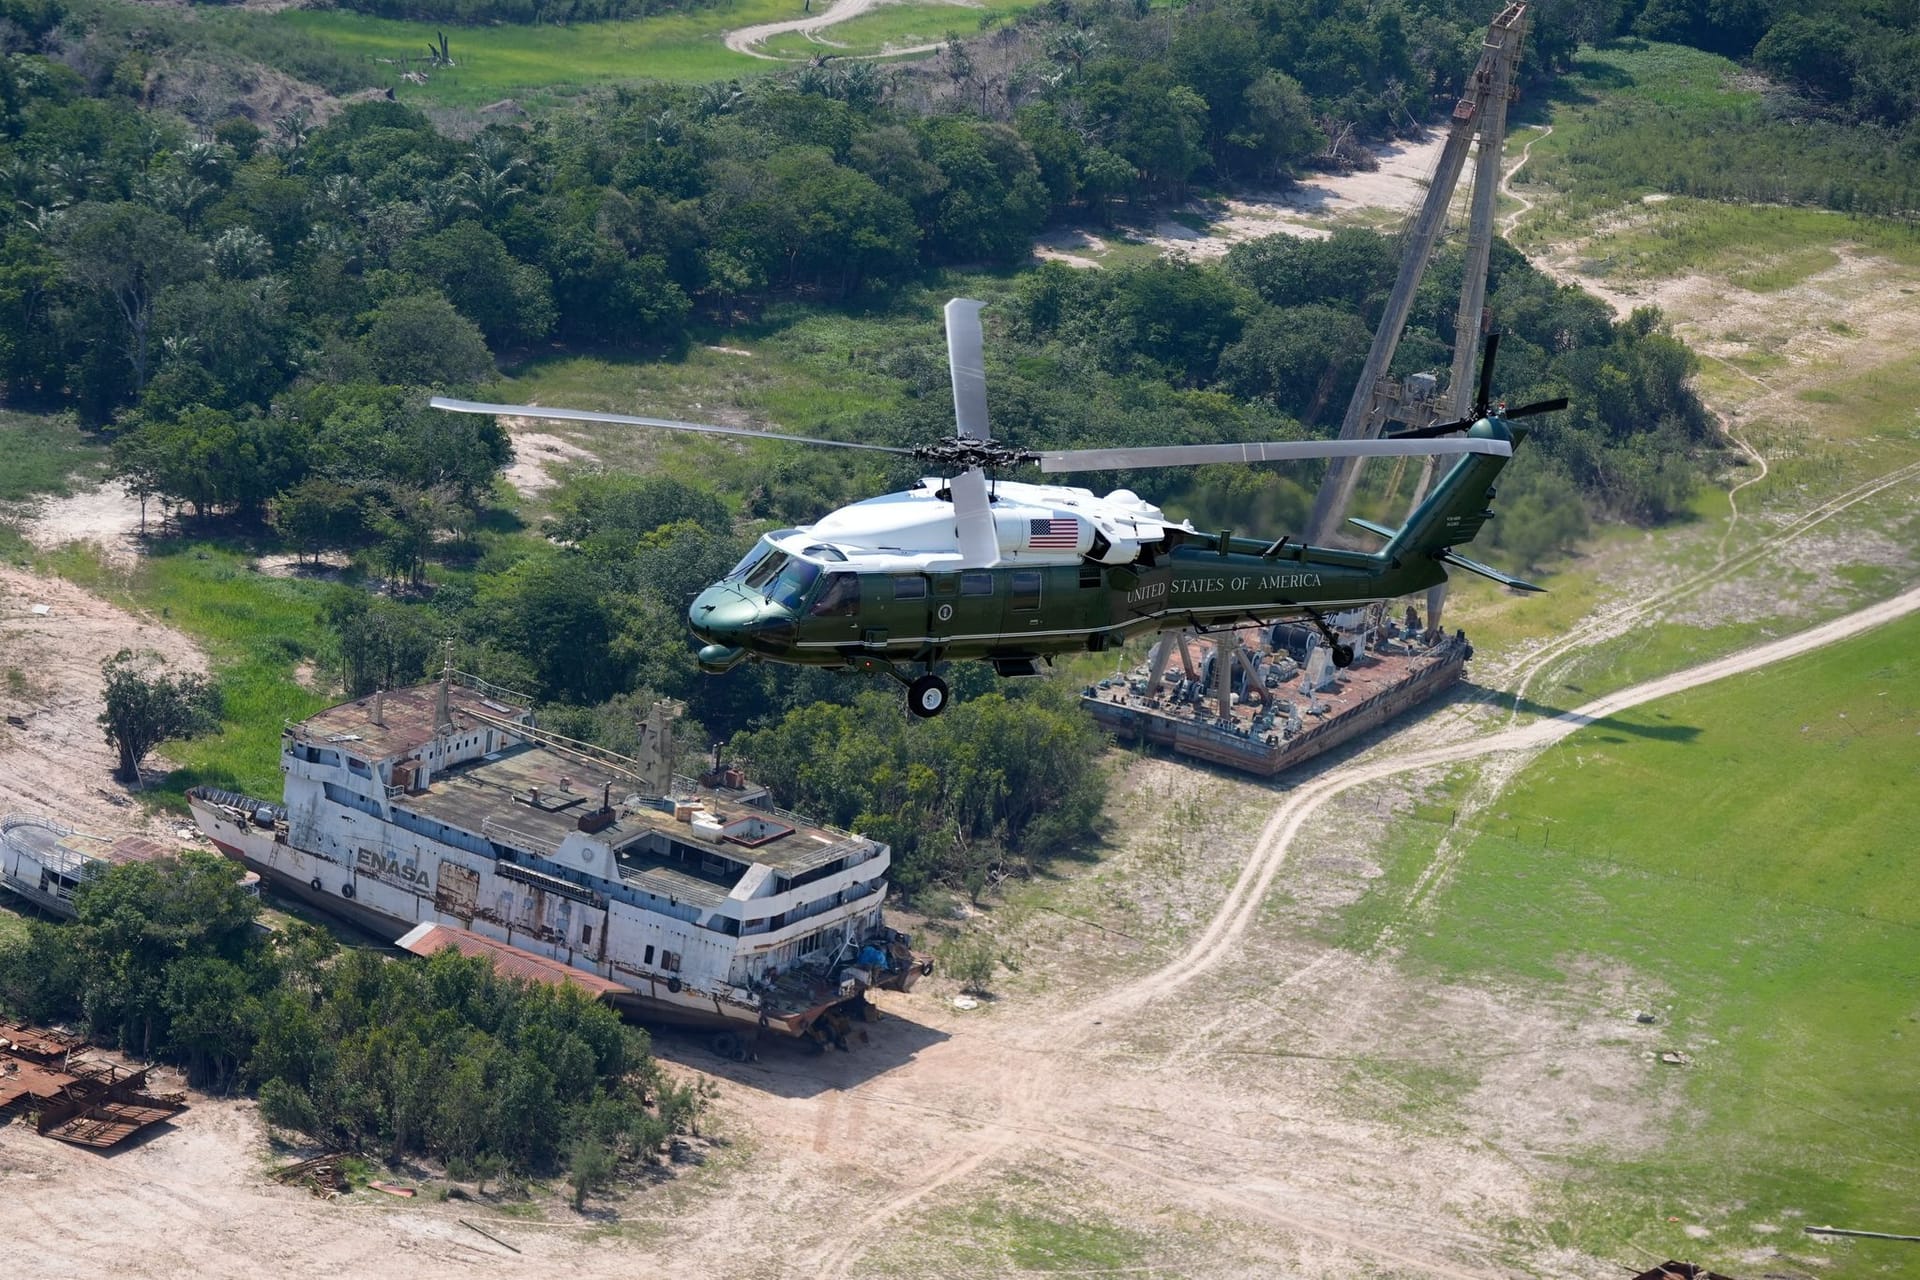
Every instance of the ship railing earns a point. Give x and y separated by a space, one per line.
487 689
503 833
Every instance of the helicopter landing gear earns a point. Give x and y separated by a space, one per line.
1342 653
926 696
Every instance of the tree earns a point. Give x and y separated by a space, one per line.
421 340
130 254
147 705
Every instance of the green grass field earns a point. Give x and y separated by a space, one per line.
1748 849
255 630
542 63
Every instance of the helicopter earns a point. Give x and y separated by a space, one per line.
1014 574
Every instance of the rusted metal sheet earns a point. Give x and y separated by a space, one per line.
86 1101
458 891
430 939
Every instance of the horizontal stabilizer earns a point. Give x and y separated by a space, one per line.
1371 527
1486 571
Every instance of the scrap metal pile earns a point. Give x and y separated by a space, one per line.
87 1101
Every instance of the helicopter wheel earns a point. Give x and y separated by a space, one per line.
1343 655
927 696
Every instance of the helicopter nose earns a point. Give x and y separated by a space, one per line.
727 618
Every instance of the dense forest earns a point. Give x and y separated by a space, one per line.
441 1057
253 316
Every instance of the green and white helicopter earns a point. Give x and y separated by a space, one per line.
1012 573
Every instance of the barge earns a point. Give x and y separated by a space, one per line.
1284 703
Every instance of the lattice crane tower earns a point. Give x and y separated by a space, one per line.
1378 399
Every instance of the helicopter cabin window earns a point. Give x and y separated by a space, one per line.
839 598
910 587
795 579
1026 590
976 582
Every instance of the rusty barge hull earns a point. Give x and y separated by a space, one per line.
1130 722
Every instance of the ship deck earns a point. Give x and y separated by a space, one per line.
533 798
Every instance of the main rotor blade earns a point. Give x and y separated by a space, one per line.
973 517
967 360
1183 455
1486 375
1539 406
630 420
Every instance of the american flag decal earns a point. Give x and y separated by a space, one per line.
1053 535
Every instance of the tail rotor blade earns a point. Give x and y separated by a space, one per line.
1433 430
1486 375
1539 406
966 359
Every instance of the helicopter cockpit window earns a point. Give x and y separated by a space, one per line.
760 551
976 582
839 597
796 579
763 573
821 552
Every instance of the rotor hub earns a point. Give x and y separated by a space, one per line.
958 453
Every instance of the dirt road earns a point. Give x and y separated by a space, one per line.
748 39
55 762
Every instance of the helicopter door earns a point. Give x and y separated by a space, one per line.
835 611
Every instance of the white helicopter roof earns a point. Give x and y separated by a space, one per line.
916 529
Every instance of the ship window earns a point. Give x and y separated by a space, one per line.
840 597
359 767
809 944
586 935
1026 589
777 922
978 582
910 587
649 956
670 961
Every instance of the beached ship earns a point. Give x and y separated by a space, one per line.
446 804
45 862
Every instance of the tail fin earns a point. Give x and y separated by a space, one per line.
1459 505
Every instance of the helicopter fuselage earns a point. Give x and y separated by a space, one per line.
872 584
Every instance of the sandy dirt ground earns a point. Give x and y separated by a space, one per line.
107 516
1311 207
56 763
1251 1079
535 455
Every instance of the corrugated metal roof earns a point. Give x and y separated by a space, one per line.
514 962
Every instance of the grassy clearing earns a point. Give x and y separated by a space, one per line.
46 455
897 26
1002 1235
255 630
1746 848
1762 248
543 61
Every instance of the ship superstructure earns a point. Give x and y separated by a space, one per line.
444 803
